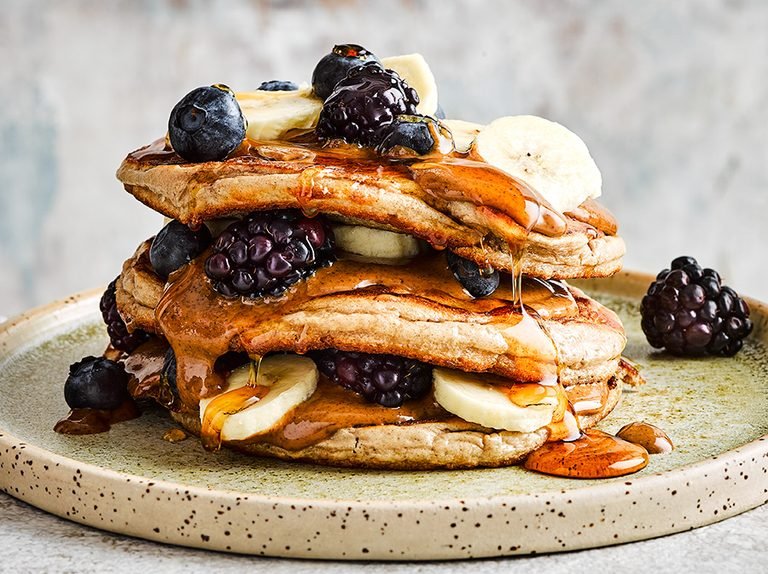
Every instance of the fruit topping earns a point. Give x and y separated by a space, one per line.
207 124
363 104
413 68
547 156
176 245
257 399
267 252
464 133
273 115
476 281
118 333
333 67
688 311
388 380
415 133
497 403
278 86
96 383
376 244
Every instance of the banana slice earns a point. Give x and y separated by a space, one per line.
271 115
413 68
375 243
464 133
547 156
284 382
520 407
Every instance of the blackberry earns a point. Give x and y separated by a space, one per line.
388 380
364 103
689 312
96 383
118 333
267 252
333 67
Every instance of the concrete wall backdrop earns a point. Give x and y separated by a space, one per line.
672 99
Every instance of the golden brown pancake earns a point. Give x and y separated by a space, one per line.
417 311
448 442
362 190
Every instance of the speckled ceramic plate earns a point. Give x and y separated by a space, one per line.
131 481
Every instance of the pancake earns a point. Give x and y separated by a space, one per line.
363 190
417 311
338 427
450 443
295 338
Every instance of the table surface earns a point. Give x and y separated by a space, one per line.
33 541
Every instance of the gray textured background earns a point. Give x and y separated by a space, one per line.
672 99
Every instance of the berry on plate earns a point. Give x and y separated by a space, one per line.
96 383
688 311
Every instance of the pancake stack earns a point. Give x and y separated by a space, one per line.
368 287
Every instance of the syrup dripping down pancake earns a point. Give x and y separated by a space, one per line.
363 190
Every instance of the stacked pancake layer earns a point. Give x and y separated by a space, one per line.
415 309
514 366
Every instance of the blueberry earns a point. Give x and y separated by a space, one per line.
207 124
468 273
96 383
176 245
333 67
278 86
412 132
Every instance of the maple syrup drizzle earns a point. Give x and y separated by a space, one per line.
594 455
93 421
332 407
452 178
564 425
230 403
446 176
650 437
587 399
